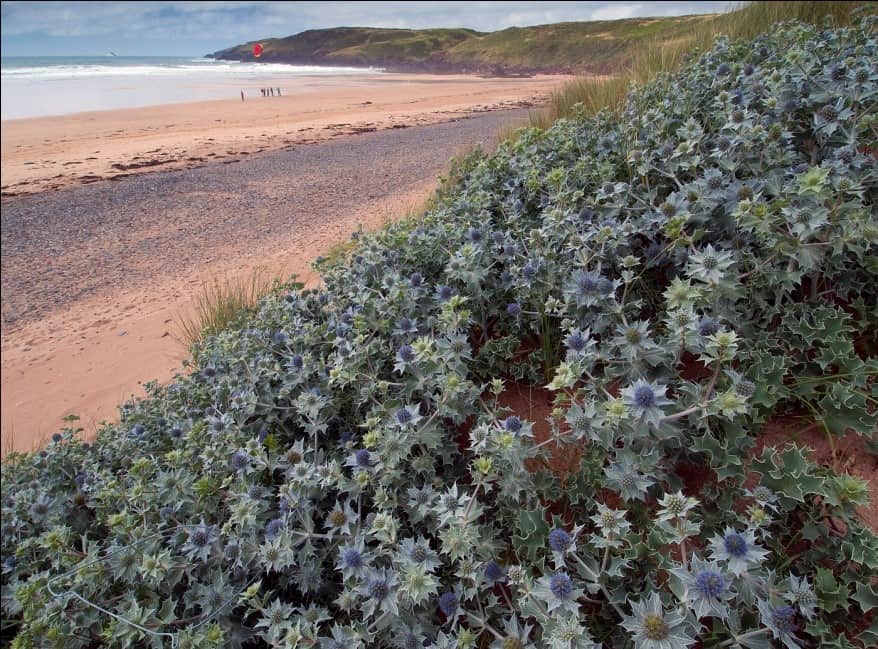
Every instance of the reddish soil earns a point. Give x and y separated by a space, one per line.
852 455
535 405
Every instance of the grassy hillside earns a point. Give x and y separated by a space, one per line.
632 49
602 46
573 46
361 46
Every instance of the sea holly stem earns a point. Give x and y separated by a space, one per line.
606 554
485 625
595 579
737 639
470 504
703 403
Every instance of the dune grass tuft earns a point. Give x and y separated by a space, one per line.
222 302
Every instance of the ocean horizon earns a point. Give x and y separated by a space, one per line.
60 85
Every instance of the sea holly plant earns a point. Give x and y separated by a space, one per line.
357 465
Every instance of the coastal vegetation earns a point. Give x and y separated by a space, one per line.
531 416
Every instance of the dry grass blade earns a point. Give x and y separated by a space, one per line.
223 302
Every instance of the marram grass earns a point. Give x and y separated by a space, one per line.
590 95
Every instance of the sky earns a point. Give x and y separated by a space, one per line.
198 28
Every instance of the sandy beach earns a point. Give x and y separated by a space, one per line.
113 221
55 152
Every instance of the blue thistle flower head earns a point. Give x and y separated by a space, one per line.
708 326
273 528
575 342
444 293
240 460
418 554
513 309
352 558
559 540
280 338
416 280
378 589
587 283
199 537
784 619
403 416
56 437
448 604
509 250
363 458
561 585
710 584
529 271
475 235
345 436
297 361
166 512
494 572
723 70
406 354
512 424
735 544
176 432
644 396
586 213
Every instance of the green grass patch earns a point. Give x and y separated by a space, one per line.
224 302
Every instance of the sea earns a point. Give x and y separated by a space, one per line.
55 85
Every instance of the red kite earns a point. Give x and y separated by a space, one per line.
257 50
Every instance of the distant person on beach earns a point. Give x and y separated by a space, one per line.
278 92
271 90
242 95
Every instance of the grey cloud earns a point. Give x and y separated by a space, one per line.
252 19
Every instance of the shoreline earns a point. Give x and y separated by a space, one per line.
109 266
54 152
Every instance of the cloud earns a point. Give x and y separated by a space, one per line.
615 12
